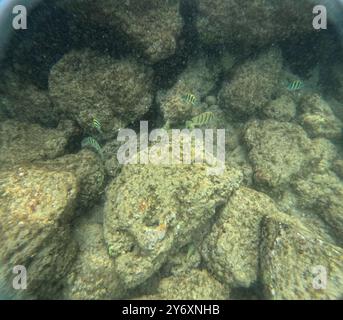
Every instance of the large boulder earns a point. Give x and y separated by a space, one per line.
85 85
152 211
253 23
36 207
252 85
152 26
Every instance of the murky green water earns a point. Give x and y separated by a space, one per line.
187 149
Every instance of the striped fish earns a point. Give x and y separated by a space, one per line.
91 143
200 120
190 98
97 125
295 85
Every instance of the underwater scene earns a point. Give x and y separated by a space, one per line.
171 149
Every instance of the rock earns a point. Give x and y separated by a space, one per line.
252 23
198 79
152 211
280 109
231 248
296 264
23 101
318 119
36 207
253 84
86 85
183 261
152 26
211 100
338 167
24 142
93 275
277 150
323 193
196 285
88 170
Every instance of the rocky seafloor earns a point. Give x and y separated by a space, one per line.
86 227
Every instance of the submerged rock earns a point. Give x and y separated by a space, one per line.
296 264
88 170
252 85
24 142
36 207
196 285
323 193
252 23
231 248
85 85
280 109
22 100
198 79
277 150
318 119
152 26
152 211
93 275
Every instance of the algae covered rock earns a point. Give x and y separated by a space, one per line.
252 85
25 142
88 170
152 211
280 109
252 23
198 79
151 26
277 151
22 100
318 119
86 85
196 285
93 275
323 193
36 207
296 264
231 248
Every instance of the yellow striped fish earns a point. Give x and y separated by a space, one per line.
91 143
97 125
200 120
190 98
295 85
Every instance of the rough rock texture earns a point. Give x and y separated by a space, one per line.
277 151
323 193
152 26
152 211
21 100
87 85
24 142
92 276
231 248
197 79
196 285
338 167
88 170
318 119
294 260
36 206
280 109
252 85
183 261
252 22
